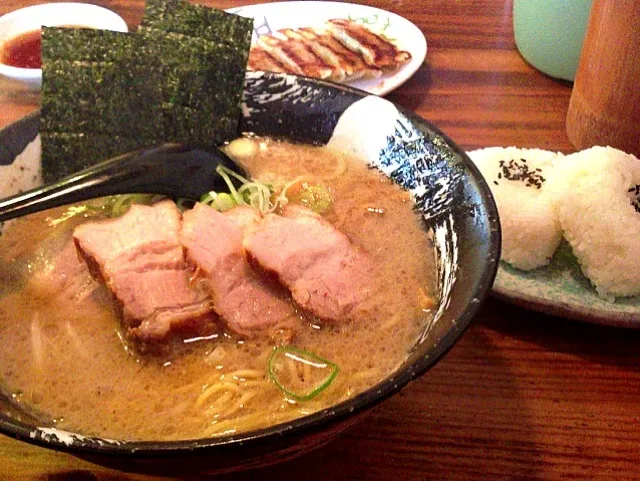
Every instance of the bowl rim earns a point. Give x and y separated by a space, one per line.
104 447
42 8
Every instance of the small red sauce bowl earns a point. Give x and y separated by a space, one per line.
30 19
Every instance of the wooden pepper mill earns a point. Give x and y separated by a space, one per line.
605 102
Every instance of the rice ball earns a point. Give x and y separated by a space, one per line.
596 195
518 177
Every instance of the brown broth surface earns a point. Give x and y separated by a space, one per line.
62 353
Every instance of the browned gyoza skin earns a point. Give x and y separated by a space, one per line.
244 299
141 260
325 272
375 49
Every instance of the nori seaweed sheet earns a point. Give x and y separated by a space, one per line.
86 99
179 79
103 90
195 41
184 18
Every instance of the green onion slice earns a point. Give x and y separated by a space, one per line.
226 175
299 373
259 195
253 193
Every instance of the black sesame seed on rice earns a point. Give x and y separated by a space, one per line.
635 200
518 170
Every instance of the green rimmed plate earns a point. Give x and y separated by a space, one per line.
560 289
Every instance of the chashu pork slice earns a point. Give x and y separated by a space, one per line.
244 299
334 53
326 273
375 49
295 55
140 259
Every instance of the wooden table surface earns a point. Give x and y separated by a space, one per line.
522 395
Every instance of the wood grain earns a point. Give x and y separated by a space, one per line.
522 395
605 105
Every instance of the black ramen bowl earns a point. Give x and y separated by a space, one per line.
451 197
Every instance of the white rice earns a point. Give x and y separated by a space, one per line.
593 193
518 179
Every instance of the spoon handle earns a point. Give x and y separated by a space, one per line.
170 169
84 186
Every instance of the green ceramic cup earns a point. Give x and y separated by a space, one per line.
549 34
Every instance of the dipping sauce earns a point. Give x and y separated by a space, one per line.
23 51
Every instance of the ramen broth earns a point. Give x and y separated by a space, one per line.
63 355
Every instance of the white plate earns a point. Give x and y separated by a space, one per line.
269 17
561 289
